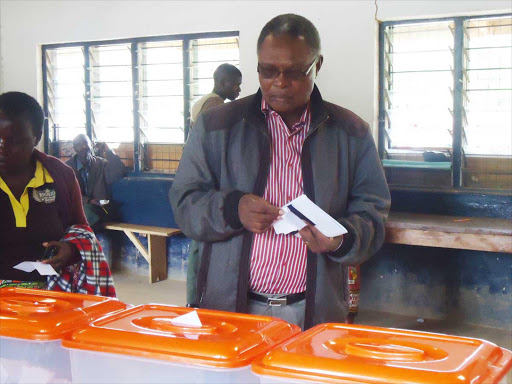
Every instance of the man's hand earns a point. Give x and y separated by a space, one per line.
317 242
101 148
63 255
257 214
95 202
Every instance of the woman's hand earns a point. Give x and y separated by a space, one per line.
63 254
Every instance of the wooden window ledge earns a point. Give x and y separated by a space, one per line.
472 233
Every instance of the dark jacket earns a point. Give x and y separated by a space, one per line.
228 155
102 173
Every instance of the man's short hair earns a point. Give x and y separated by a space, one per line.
226 70
82 136
19 105
295 26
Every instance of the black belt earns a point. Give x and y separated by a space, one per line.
278 301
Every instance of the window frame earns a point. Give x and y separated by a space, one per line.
458 78
186 41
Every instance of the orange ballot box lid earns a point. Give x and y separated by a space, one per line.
47 315
221 340
339 353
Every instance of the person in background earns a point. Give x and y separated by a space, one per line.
42 216
95 175
227 79
246 159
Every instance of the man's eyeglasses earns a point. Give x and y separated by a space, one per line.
272 73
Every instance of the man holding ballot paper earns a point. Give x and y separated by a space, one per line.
281 190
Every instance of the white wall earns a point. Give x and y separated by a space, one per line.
348 30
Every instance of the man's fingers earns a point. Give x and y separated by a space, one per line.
318 235
259 228
263 207
264 218
260 205
321 239
307 236
316 241
257 214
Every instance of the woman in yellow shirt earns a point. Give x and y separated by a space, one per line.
40 206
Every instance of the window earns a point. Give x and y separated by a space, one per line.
488 86
110 68
134 94
205 56
419 80
445 98
65 92
161 91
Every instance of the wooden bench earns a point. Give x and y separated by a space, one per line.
473 233
156 253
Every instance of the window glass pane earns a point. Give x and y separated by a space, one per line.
205 56
419 80
66 90
488 86
161 91
111 93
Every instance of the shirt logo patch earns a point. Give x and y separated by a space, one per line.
45 195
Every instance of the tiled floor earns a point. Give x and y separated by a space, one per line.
135 289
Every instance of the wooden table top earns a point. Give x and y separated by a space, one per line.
450 224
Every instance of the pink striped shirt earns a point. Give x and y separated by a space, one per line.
278 262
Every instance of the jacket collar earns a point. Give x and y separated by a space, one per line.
80 165
318 111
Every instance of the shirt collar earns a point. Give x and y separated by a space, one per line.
79 164
304 119
20 207
41 176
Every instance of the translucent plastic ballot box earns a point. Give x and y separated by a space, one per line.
32 323
349 354
151 344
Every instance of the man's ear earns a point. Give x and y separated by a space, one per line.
224 83
319 63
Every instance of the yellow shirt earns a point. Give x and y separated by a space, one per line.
20 208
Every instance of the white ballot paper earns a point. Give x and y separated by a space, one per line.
190 319
43 269
302 209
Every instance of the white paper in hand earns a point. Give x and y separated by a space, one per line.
288 223
43 269
190 319
304 207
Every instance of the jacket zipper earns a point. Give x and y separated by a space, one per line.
202 276
310 291
244 270
202 293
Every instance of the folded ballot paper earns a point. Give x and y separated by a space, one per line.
190 319
302 209
43 269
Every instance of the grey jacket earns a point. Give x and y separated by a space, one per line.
228 155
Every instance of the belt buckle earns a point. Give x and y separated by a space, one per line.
276 302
